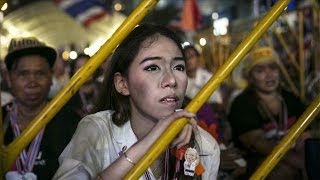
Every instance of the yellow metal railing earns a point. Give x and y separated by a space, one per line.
162 143
301 55
287 142
281 65
8 154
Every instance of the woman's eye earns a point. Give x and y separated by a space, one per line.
151 68
258 69
180 67
22 73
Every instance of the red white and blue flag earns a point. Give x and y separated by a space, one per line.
84 11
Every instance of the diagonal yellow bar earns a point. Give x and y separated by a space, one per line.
2 2
9 154
287 50
170 133
287 142
301 56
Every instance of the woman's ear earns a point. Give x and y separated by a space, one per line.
120 84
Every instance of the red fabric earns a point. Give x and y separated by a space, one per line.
211 128
191 16
179 153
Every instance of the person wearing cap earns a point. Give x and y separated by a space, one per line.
29 63
263 113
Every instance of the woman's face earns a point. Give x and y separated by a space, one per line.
191 156
192 60
265 77
157 79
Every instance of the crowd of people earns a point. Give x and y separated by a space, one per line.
116 115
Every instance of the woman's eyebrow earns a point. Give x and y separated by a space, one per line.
159 58
150 59
178 58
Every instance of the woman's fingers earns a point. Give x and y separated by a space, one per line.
193 123
185 135
183 138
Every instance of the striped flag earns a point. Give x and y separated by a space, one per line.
84 11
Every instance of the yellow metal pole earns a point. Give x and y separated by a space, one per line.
301 55
268 40
287 142
317 48
76 81
294 34
2 3
316 25
288 78
170 133
284 70
288 51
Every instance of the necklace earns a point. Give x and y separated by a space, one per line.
155 167
164 173
281 123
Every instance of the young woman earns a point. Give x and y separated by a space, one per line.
142 94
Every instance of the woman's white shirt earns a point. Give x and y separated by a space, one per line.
195 84
97 143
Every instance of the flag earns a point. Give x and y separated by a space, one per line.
84 11
190 16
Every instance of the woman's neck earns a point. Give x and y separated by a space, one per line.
268 96
141 127
272 101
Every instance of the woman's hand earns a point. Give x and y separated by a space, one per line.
184 136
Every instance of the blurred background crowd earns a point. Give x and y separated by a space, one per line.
211 31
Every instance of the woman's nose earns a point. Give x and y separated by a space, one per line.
169 80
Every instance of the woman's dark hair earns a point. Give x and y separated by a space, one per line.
121 60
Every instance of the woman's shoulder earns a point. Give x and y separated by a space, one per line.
207 143
288 95
101 119
245 97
